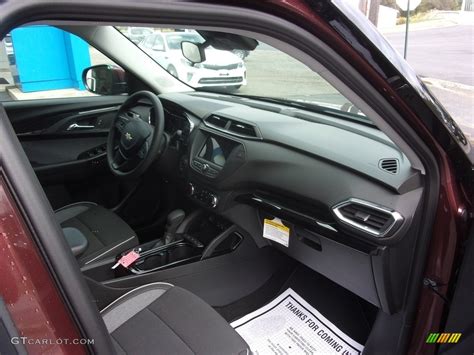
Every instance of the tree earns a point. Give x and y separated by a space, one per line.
389 3
427 5
374 11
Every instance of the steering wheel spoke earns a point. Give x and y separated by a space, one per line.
121 123
133 143
119 161
143 150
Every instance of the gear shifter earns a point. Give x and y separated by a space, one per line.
174 219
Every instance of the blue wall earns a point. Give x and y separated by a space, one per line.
48 58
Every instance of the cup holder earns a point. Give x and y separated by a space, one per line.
166 256
172 254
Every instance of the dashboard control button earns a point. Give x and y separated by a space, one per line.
205 168
204 196
191 189
213 201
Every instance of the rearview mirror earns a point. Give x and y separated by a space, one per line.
193 52
105 80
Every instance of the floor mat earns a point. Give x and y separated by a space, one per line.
290 325
260 297
348 312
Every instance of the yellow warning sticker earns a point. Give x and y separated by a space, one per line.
275 230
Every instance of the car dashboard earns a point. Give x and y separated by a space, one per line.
346 193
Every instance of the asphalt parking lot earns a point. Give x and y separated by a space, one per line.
443 53
272 73
443 58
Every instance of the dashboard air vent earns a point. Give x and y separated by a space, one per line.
217 121
389 165
231 126
243 129
373 219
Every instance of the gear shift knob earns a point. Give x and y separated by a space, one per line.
174 219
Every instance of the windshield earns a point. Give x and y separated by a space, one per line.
263 73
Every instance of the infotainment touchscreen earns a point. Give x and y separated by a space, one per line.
216 150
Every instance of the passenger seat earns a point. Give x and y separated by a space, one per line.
160 318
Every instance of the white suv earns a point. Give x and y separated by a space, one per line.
220 69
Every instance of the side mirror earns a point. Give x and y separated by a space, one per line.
193 52
105 80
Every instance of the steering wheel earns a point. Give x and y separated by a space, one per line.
133 144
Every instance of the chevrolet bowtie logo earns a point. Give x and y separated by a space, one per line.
128 136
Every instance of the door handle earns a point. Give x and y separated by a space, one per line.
78 126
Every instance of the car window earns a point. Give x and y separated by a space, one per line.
435 38
148 43
159 44
43 62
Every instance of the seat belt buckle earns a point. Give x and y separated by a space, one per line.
127 259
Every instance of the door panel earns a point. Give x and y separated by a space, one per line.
47 153
65 141
34 115
460 318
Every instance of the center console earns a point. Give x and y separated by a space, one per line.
200 236
212 157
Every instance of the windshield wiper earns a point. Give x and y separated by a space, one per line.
313 107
